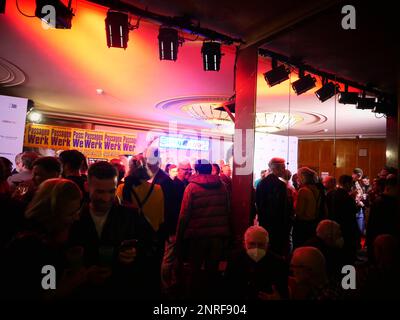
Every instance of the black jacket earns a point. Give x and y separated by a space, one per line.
342 208
384 218
171 212
335 257
246 278
180 187
22 262
275 211
122 223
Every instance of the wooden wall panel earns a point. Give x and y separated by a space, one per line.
325 156
319 155
309 155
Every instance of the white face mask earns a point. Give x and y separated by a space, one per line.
256 254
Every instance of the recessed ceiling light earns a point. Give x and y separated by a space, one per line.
99 91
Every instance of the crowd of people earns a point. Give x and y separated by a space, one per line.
142 232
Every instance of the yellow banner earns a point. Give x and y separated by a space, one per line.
94 144
113 144
60 138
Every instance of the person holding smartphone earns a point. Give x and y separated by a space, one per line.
117 241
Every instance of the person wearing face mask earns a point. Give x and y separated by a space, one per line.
330 242
257 273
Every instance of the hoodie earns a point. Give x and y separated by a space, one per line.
205 210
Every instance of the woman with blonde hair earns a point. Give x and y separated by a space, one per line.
310 206
49 217
54 208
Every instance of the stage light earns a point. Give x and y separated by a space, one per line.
211 52
277 75
348 97
62 14
366 103
380 108
327 91
117 29
304 84
385 106
2 6
168 42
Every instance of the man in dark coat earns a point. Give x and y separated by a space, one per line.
342 208
116 241
384 216
182 180
274 207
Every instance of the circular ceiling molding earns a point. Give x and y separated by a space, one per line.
10 74
176 104
269 122
201 109
310 118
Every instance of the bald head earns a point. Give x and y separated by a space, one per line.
329 232
308 264
256 237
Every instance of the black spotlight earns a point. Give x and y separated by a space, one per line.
385 106
277 75
381 108
211 52
327 91
348 97
117 29
168 42
2 6
63 14
304 84
366 103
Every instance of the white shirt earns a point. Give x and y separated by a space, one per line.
99 222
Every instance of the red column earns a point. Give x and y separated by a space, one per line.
393 133
392 141
243 157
